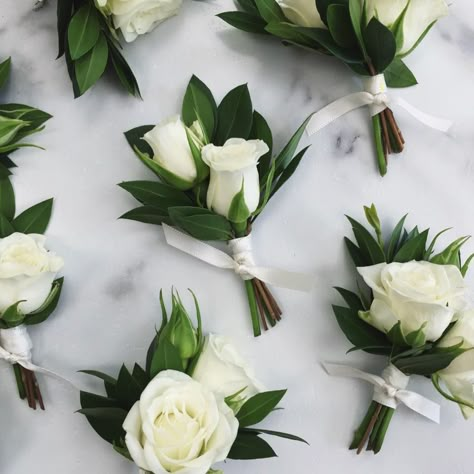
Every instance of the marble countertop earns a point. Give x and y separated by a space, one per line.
114 269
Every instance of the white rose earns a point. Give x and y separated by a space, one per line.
419 17
179 426
27 271
233 167
302 13
418 294
137 17
171 149
459 375
221 369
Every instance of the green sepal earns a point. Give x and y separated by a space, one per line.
238 210
13 316
48 307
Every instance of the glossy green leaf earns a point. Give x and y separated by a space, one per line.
250 446
427 364
147 215
398 75
393 245
380 44
64 14
353 301
109 382
13 316
248 6
7 199
340 26
34 220
123 70
323 5
261 131
48 307
278 434
370 248
201 223
135 139
128 390
355 253
270 11
450 255
5 71
166 357
199 104
106 421
258 407
90 67
83 31
234 115
140 376
6 227
156 194
244 21
357 14
412 249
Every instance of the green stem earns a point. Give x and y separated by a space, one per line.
381 158
253 308
375 430
382 431
19 381
360 432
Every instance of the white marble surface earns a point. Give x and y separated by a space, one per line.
115 268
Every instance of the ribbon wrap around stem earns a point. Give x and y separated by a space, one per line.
390 389
376 97
241 261
15 348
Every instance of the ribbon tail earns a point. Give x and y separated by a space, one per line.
420 404
283 279
196 248
337 109
431 121
338 370
41 370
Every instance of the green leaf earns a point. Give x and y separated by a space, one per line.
380 44
109 382
135 139
6 227
370 248
83 31
13 316
359 333
141 377
340 26
323 5
258 407
268 191
106 421
234 115
199 104
64 14
450 255
270 11
238 210
413 248
202 224
7 199
123 71
428 364
261 131
166 357
357 19
90 67
34 220
244 21
353 301
92 400
250 446
147 215
355 253
393 245
278 434
248 6
5 71
48 307
156 194
398 75
128 390
430 249
9 128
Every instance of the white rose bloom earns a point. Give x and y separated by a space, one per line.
418 294
179 426
137 17
459 375
420 15
171 148
233 166
27 271
302 13
222 369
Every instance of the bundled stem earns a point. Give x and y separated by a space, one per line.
28 386
373 428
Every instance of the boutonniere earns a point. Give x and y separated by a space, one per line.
17 122
370 37
195 404
411 309
29 287
217 173
91 32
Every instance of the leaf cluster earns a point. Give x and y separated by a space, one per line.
91 45
166 201
17 121
367 47
33 220
411 353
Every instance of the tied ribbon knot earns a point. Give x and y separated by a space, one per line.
375 96
390 389
241 261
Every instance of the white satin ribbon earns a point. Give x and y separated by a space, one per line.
241 261
375 96
15 348
390 389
